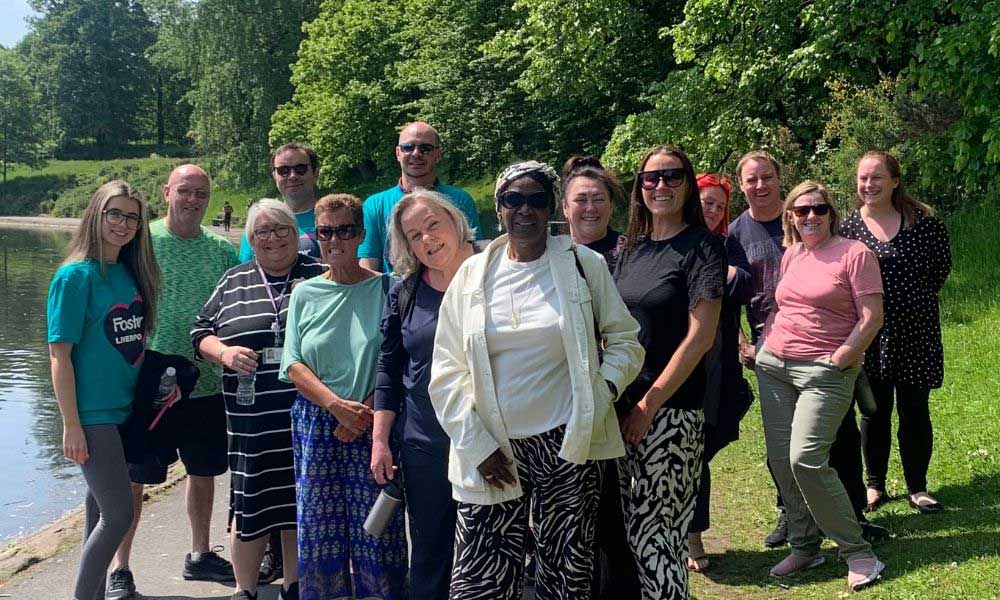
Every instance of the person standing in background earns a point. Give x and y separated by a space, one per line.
417 152
295 170
227 216
907 357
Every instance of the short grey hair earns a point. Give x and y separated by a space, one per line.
404 262
276 209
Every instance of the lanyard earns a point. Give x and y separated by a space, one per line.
275 304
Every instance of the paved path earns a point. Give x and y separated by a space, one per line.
163 539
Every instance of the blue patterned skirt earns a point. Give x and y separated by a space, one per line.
334 492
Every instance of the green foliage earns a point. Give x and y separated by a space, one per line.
22 139
92 56
235 54
343 104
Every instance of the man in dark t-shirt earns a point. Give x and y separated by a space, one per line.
759 230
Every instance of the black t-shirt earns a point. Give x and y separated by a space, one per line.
606 247
762 242
660 282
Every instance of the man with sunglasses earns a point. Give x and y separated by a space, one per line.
295 169
759 230
192 258
418 152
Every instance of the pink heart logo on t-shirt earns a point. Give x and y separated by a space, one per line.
123 326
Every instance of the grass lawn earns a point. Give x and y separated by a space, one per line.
955 554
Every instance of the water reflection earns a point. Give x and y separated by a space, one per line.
37 483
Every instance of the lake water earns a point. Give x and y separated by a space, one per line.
37 484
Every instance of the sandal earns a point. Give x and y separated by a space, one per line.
881 498
794 563
694 563
929 508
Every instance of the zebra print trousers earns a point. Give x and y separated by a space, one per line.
490 539
659 480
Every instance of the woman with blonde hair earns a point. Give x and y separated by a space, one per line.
906 358
429 239
101 307
828 308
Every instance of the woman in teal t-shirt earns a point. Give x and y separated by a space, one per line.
102 304
331 347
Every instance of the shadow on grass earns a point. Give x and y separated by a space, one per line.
968 529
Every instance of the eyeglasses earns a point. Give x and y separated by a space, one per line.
113 216
184 192
650 179
410 147
515 200
325 233
285 170
817 209
263 234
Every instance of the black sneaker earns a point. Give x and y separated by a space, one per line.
243 595
292 593
873 533
779 536
271 567
121 585
209 567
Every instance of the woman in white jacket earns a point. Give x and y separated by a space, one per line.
523 391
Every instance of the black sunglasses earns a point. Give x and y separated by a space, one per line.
113 216
325 233
650 179
515 200
409 147
285 170
817 209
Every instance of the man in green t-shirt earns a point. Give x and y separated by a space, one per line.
192 259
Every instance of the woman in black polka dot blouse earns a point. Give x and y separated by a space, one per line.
906 358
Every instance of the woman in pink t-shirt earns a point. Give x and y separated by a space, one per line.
828 310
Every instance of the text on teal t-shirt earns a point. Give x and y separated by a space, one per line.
378 208
102 316
333 329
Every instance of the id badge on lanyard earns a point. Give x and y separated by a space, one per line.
272 355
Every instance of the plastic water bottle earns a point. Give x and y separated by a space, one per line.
167 382
388 502
245 389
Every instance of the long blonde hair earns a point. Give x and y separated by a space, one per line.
137 255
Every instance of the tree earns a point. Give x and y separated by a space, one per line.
94 53
22 138
236 56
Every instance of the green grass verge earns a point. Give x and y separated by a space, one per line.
955 554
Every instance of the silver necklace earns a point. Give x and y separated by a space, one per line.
515 314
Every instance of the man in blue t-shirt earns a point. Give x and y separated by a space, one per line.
418 152
759 231
295 169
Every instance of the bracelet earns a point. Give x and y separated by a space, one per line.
221 352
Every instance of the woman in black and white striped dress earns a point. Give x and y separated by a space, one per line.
241 327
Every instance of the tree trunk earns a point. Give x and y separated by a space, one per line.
159 110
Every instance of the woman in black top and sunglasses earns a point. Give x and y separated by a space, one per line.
672 276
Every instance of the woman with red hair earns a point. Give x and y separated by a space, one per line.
727 394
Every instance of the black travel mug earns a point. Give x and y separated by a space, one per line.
388 502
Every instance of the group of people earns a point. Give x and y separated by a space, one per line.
552 396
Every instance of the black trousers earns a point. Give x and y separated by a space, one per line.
845 459
614 577
915 434
432 513
701 521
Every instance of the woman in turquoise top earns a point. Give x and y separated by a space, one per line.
330 354
101 306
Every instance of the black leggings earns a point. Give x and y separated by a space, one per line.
915 434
